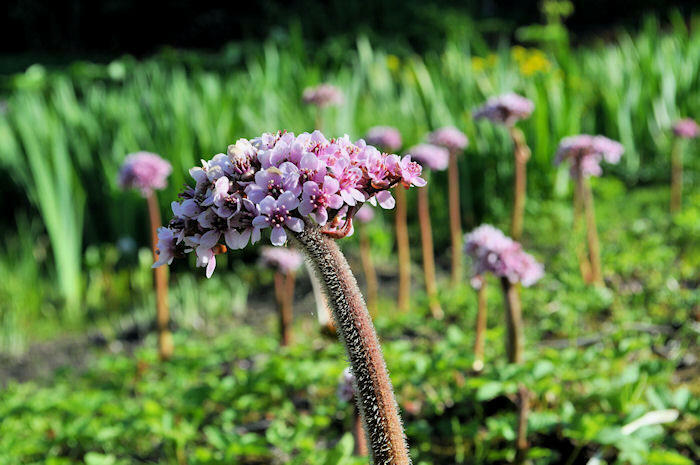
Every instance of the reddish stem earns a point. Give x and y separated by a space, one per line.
284 293
514 321
403 249
358 434
521 155
426 234
455 218
165 337
676 176
369 271
480 325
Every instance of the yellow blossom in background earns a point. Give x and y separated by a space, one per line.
393 62
530 61
482 64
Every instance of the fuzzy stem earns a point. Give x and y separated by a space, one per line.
369 271
404 254
426 235
480 325
455 220
583 261
676 176
521 155
358 434
596 276
165 337
514 321
284 293
376 400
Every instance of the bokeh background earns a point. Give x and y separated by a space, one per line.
82 84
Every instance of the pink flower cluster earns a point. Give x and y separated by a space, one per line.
585 152
430 156
282 259
278 181
323 95
384 137
346 386
144 171
686 128
493 251
505 109
449 137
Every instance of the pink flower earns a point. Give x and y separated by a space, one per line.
449 137
317 198
505 109
494 252
384 137
144 171
277 214
686 128
585 152
430 156
165 247
283 259
323 95
274 181
365 214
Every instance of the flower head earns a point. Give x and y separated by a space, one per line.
449 137
144 171
384 137
323 95
505 109
492 251
585 152
686 128
430 156
279 182
365 214
283 259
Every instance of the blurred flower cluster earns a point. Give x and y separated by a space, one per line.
505 109
586 152
282 259
686 128
492 251
144 171
430 156
449 137
276 181
323 95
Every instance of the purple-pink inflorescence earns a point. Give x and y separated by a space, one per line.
686 128
384 137
492 251
449 137
281 259
346 386
430 156
144 171
365 214
587 152
277 181
505 109
323 95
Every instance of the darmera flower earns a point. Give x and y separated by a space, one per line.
686 128
505 109
585 152
449 137
144 171
282 259
323 95
430 156
384 137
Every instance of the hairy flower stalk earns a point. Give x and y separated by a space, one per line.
436 158
148 172
285 262
455 142
683 129
584 153
306 188
492 251
365 215
507 109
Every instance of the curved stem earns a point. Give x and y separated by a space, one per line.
455 218
165 337
676 176
426 235
521 155
404 254
369 271
376 400
514 321
480 325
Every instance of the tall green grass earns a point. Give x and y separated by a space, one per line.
65 132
